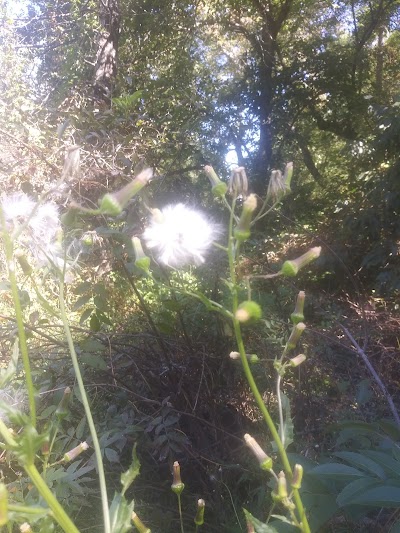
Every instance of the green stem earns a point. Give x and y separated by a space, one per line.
59 514
23 346
85 401
27 510
180 513
232 254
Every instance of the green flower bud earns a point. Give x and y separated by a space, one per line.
297 476
177 485
141 261
139 524
291 268
295 335
75 452
113 203
264 460
242 230
219 188
62 409
287 176
23 262
3 505
248 311
298 313
280 492
199 518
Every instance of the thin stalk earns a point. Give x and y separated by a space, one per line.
280 409
180 513
85 401
23 346
232 253
58 512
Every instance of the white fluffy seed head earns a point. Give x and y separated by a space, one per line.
180 236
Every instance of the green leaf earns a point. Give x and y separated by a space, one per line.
336 471
94 361
390 465
354 489
82 288
111 455
128 477
361 461
92 345
259 527
95 323
81 301
386 496
120 514
85 315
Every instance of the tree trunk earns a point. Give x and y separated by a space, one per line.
107 52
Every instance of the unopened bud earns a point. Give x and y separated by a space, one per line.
62 408
139 524
219 188
297 476
114 203
291 268
177 485
280 492
75 452
252 357
296 361
242 230
248 311
287 176
298 313
295 335
238 183
3 505
199 518
276 186
141 261
264 460
23 262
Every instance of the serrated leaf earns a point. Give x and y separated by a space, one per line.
128 477
120 514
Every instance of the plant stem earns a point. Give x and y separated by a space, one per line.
59 514
23 346
85 401
180 513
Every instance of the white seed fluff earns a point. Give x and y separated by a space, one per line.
179 235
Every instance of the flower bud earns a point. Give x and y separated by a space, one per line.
252 357
219 188
141 261
280 492
62 408
264 460
297 476
75 452
199 518
139 524
295 335
291 268
3 505
238 183
23 262
177 485
25 528
248 311
296 361
287 176
276 187
114 203
298 313
242 230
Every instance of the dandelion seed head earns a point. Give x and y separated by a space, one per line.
179 235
